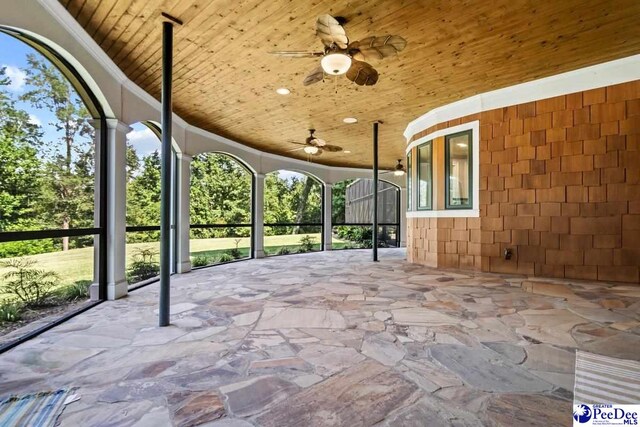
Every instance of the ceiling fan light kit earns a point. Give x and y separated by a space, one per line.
311 149
336 64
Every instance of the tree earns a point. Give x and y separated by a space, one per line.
143 193
19 167
220 194
68 193
338 194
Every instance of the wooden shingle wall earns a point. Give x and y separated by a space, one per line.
559 185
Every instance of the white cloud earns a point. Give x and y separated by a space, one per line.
144 141
16 76
33 119
136 136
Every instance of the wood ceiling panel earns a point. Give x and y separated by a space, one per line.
225 81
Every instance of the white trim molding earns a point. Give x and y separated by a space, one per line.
450 213
474 127
596 76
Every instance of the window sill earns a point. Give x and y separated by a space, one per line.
450 213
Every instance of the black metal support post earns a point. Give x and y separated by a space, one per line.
165 182
374 232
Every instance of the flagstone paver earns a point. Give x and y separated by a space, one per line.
331 339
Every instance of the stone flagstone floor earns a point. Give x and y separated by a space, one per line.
331 339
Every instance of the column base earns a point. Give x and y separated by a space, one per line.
117 290
259 254
184 267
328 246
94 292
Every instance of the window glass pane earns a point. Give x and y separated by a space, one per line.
409 187
424 176
459 171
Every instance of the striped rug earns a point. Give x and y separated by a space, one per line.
602 379
33 410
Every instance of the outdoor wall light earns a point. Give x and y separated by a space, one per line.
335 63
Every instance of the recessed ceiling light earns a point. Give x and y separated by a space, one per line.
347 151
350 120
283 91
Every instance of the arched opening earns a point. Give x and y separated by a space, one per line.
143 203
352 214
292 213
52 178
220 210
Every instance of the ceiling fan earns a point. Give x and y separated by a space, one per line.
399 170
315 146
340 56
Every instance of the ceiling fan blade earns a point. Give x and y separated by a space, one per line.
296 53
362 73
331 32
295 149
318 142
377 47
332 148
296 142
314 77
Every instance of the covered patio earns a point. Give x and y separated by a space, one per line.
332 339
486 153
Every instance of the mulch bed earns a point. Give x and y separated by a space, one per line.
31 315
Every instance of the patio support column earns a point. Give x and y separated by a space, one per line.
374 231
115 199
94 289
327 217
166 118
403 217
183 221
258 216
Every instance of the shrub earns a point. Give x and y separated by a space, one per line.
30 285
77 291
26 247
226 257
200 261
283 251
10 312
235 253
306 244
143 266
357 234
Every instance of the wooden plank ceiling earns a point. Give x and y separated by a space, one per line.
225 80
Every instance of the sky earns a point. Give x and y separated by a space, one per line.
13 57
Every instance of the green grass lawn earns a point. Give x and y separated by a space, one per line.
77 264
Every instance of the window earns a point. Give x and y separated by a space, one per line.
425 181
409 175
458 171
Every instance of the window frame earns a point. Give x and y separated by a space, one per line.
409 181
419 175
447 170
